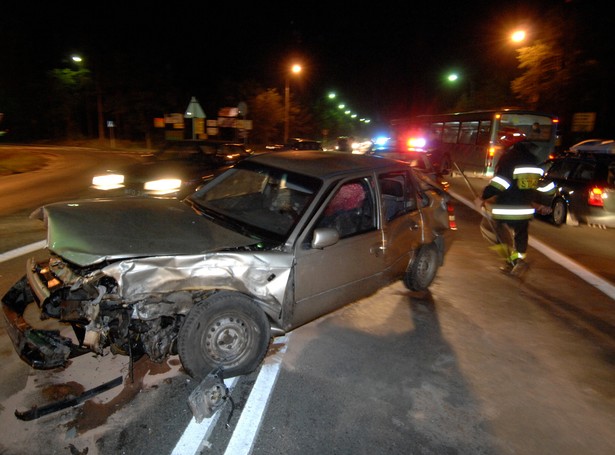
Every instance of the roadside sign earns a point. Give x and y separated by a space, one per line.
194 109
583 122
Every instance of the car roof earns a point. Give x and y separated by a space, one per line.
606 146
301 139
324 165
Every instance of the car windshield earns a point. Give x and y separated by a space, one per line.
259 200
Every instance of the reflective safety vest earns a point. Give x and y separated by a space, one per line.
525 178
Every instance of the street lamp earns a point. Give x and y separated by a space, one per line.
99 104
518 36
296 69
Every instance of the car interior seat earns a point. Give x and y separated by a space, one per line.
345 211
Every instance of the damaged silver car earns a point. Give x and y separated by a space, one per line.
272 243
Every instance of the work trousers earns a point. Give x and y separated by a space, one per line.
513 233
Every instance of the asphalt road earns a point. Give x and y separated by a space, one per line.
481 364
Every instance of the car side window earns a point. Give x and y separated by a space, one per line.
351 209
561 169
584 171
610 179
397 193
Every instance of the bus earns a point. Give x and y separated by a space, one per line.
474 141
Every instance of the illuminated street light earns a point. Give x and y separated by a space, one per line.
453 77
296 69
76 59
518 36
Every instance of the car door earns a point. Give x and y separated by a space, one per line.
328 278
401 220
558 173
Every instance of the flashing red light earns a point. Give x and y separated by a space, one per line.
595 197
416 143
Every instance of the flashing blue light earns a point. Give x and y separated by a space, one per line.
381 141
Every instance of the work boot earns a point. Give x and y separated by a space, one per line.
507 268
519 268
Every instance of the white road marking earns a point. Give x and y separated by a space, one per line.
249 423
22 250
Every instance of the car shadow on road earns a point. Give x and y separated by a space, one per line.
378 373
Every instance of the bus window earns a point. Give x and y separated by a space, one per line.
435 132
469 131
451 131
484 132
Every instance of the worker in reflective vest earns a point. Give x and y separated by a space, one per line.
509 201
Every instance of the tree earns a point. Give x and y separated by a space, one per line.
267 110
545 76
69 90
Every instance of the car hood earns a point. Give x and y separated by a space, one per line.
87 232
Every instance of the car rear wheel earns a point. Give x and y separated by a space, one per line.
422 269
558 215
226 330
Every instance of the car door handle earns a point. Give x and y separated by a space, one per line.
414 226
377 250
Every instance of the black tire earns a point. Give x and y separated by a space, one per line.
558 215
226 330
422 270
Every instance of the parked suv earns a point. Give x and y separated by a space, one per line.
583 188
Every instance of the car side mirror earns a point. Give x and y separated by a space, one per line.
324 237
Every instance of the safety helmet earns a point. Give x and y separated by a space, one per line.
509 136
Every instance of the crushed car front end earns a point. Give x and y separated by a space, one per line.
135 303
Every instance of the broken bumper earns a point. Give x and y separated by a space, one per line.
42 349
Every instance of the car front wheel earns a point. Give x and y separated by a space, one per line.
422 270
226 330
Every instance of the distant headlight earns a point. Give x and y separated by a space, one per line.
163 186
108 181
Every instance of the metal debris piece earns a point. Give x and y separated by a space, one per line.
208 396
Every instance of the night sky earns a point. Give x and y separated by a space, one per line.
379 58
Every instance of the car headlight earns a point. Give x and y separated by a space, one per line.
163 186
108 181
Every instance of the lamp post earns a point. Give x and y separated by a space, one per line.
296 69
99 104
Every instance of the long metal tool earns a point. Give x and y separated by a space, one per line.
500 245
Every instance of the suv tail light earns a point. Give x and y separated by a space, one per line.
595 197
